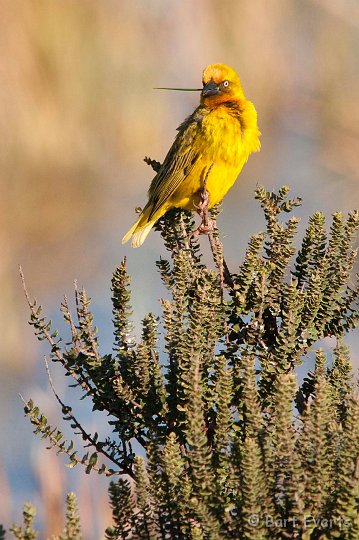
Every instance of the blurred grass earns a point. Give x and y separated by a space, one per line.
78 114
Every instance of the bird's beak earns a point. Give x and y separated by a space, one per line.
210 89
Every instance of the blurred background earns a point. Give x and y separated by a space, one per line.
79 113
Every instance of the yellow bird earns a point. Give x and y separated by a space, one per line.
209 151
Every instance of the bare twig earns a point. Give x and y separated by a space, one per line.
217 252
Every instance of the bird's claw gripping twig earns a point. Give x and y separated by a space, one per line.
207 224
204 228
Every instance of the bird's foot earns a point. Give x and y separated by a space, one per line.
206 227
202 206
207 224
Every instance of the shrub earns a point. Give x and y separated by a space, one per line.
233 446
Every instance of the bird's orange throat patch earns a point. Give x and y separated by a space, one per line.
222 99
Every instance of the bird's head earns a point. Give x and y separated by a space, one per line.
221 84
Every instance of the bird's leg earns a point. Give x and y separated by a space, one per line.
202 208
207 224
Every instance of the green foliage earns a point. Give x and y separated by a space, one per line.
26 531
72 529
232 445
122 509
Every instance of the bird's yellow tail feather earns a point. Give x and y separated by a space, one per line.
139 232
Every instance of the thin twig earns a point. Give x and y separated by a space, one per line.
84 385
91 391
217 252
218 260
85 436
184 232
85 313
75 336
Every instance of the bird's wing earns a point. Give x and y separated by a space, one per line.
177 165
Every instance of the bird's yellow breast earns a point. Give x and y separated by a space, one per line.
224 143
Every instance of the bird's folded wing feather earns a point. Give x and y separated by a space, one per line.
177 165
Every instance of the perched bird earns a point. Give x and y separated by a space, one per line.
209 151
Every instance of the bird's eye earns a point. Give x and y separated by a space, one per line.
225 84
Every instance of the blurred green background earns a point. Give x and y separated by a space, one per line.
79 113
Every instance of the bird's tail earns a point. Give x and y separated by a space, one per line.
140 230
